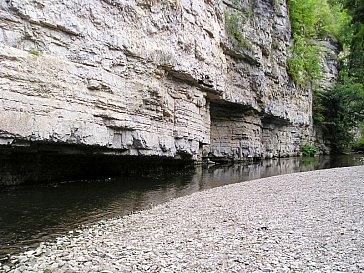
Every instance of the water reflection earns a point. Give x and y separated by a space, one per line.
31 215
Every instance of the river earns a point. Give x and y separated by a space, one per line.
29 215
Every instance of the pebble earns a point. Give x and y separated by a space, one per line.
303 222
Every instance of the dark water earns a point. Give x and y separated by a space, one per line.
34 214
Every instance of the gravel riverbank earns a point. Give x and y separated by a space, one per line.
302 222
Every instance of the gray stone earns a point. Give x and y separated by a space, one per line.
151 78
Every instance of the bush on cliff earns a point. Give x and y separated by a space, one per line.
308 150
312 20
359 144
340 108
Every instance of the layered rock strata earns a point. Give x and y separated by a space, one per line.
151 78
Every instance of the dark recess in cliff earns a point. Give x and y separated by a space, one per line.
38 163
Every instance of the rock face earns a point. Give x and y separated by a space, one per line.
161 78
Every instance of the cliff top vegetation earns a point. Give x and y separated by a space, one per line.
340 108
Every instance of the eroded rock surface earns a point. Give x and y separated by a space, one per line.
151 78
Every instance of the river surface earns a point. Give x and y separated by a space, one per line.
30 215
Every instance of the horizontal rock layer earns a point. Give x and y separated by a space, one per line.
150 78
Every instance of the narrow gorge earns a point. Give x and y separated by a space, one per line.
159 81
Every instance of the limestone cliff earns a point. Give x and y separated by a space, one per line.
148 77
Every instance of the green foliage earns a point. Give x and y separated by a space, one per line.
359 144
356 9
312 20
234 23
341 108
304 64
317 19
308 150
303 17
356 62
356 56
35 52
318 107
